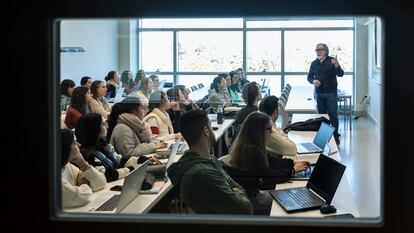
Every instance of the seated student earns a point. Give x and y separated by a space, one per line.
126 80
79 105
86 81
99 103
233 86
204 186
253 168
138 77
77 183
189 105
145 88
158 119
278 143
178 108
251 95
242 80
218 93
112 83
91 134
155 82
66 90
129 135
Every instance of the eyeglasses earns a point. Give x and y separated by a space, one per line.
316 50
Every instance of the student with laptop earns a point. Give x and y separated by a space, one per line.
158 118
201 182
278 143
127 131
253 168
78 182
99 104
91 133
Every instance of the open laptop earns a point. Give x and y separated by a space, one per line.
321 139
115 202
320 188
118 96
305 175
161 180
162 84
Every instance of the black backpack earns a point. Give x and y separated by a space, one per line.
308 125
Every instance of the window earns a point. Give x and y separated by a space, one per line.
209 51
193 23
306 23
263 51
157 51
272 81
194 80
300 53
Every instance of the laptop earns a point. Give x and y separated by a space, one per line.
305 175
115 203
162 84
118 96
161 180
319 190
321 139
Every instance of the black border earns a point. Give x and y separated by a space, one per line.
29 116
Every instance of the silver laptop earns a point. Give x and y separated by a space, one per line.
162 83
130 190
157 186
118 96
321 139
320 188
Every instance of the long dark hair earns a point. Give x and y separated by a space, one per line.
216 83
87 133
67 137
128 105
64 85
125 78
78 101
250 142
156 100
94 88
139 75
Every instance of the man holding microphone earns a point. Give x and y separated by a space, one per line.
322 74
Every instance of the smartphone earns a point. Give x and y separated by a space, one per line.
116 188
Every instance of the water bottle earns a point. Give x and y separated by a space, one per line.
220 115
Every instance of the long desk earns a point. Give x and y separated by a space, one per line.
222 130
301 100
343 199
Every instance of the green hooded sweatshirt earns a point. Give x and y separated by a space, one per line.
205 186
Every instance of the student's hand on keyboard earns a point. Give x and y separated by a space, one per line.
177 135
300 165
161 145
154 161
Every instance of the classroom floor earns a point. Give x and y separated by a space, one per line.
361 153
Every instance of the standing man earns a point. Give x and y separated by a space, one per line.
322 74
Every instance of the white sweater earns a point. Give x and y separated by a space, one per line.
74 195
162 121
98 107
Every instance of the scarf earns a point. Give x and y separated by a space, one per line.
104 103
140 128
164 118
113 83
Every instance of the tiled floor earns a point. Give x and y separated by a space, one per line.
361 153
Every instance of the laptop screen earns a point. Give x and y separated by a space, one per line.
324 134
326 177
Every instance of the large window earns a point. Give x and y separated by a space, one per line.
280 49
210 51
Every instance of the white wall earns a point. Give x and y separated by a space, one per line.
100 40
127 44
374 79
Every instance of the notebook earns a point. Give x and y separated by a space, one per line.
157 186
322 137
115 202
319 190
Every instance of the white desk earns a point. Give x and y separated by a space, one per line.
343 199
301 100
222 129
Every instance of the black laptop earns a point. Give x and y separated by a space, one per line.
320 188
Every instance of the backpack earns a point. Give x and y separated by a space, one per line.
361 108
308 125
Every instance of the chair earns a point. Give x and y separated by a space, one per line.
194 88
200 85
285 117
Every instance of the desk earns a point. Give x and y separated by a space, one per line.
301 100
343 199
347 107
222 129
